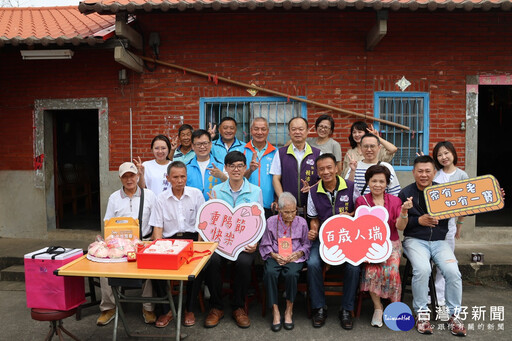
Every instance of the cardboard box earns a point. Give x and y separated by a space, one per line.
44 289
164 260
124 227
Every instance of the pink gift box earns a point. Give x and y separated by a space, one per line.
44 289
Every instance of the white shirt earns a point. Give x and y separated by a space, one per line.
202 166
121 205
177 215
155 176
275 168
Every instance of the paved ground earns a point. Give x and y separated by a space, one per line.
486 289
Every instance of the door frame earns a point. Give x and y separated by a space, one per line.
483 234
44 178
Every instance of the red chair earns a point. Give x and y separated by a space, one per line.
55 318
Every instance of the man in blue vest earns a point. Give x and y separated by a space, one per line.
261 153
297 161
227 141
330 196
237 190
204 171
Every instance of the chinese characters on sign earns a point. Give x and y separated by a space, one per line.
464 197
233 229
365 237
476 317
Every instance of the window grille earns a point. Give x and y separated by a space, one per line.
410 109
278 111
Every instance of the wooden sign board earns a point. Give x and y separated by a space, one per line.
464 197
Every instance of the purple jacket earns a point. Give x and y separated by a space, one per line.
344 202
275 230
290 175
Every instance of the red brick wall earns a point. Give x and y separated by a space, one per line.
319 55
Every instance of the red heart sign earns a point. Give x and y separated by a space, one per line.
232 228
355 240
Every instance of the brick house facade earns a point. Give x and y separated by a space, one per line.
319 54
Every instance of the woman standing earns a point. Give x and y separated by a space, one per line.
284 230
324 127
153 176
383 280
358 130
445 158
153 173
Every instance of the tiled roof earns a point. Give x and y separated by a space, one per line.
114 6
53 25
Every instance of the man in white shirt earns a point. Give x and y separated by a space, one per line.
174 217
126 203
370 144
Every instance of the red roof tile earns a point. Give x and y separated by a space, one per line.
48 25
114 6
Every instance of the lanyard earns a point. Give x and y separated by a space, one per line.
285 230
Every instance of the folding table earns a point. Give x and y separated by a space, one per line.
84 267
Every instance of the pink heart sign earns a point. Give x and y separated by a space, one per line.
232 228
364 237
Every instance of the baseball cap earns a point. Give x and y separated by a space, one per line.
127 167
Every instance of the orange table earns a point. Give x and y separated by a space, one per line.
84 267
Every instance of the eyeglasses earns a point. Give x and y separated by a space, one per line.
201 144
324 127
240 166
369 146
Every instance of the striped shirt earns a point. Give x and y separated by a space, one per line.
393 187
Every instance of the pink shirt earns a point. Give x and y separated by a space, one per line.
392 203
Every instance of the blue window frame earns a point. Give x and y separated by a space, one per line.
412 110
277 110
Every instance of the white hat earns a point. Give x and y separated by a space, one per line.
127 167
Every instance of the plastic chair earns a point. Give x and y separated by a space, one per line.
55 318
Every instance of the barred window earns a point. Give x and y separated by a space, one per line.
412 110
277 110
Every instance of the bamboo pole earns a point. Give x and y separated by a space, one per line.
273 92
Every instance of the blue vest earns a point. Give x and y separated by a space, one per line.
261 177
194 178
344 201
248 194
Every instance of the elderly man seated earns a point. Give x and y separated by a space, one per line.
284 247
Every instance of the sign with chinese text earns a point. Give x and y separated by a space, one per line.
364 237
232 228
464 197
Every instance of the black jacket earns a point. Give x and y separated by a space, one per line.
413 228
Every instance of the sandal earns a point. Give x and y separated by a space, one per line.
163 320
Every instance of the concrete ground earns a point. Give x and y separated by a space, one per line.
486 287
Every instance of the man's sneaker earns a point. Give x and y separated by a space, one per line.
105 317
149 316
456 326
423 326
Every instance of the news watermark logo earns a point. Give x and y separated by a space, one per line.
398 317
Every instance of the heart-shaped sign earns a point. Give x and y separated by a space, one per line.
364 237
232 228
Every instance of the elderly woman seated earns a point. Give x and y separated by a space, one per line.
284 247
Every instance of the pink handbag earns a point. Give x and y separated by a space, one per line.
44 289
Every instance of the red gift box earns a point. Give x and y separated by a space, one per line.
44 289
167 261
